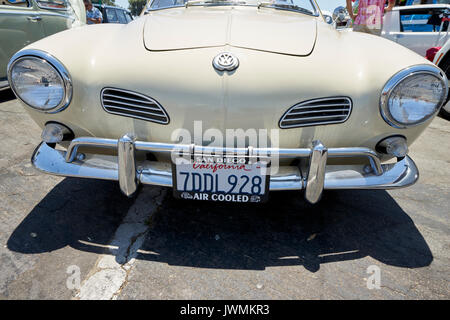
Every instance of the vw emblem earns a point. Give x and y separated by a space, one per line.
225 61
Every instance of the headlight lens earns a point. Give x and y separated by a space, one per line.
39 83
413 96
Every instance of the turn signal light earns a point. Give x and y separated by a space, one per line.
55 132
395 146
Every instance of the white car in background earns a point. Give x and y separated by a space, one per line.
416 27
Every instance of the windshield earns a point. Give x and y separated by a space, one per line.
303 6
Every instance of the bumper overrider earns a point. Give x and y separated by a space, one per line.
316 177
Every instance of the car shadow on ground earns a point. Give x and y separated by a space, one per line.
6 95
80 213
344 225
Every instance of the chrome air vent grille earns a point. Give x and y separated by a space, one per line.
317 112
131 104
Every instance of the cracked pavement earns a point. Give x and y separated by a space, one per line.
156 247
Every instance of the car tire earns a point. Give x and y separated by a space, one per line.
445 110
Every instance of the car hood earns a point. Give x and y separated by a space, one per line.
264 29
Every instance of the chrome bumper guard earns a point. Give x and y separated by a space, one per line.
319 175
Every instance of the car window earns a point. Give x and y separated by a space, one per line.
128 17
111 15
15 3
121 16
426 20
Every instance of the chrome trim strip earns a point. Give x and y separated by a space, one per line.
56 64
322 106
295 113
32 11
150 113
315 118
27 11
392 83
109 95
398 175
130 105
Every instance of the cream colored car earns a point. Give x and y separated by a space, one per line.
177 97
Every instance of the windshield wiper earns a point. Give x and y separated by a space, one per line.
191 2
283 6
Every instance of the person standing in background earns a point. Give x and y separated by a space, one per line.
93 15
370 15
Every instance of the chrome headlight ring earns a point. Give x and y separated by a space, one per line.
53 62
399 78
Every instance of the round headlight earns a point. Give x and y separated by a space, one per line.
40 81
413 96
328 19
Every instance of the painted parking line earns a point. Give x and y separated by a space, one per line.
106 280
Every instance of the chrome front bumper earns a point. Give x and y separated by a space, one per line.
314 179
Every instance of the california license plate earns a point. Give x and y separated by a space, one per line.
218 178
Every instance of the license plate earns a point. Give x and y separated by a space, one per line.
227 179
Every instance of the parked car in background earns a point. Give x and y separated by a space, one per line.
416 27
228 100
113 14
25 21
440 56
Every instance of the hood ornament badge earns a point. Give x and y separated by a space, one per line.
225 61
